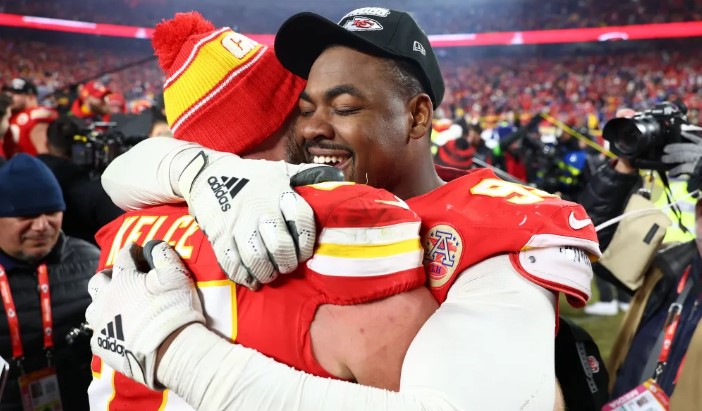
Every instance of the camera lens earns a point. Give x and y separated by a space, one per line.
631 136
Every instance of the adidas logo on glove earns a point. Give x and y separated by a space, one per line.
226 185
114 334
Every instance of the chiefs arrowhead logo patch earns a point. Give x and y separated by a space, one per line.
360 23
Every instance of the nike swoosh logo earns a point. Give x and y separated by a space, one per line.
398 203
576 224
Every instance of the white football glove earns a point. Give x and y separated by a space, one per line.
133 312
257 224
684 155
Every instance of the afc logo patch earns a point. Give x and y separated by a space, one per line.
443 248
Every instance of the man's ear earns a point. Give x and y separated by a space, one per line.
421 111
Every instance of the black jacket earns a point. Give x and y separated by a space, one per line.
605 197
88 207
70 265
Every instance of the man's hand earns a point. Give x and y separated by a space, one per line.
134 312
257 224
624 166
684 156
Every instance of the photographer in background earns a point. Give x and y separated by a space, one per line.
604 198
659 337
88 207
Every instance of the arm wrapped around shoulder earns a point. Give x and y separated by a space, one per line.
495 330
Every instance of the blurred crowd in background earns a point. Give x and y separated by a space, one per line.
578 89
447 17
533 113
487 90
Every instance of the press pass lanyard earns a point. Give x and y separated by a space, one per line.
671 323
13 322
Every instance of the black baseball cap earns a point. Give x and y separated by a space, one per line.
20 86
374 30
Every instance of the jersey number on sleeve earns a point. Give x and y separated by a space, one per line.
514 193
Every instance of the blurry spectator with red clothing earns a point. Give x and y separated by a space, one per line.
139 106
5 112
460 152
29 120
514 144
91 105
116 103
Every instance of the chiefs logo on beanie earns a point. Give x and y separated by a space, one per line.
223 90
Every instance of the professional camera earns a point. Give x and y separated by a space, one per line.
641 138
96 147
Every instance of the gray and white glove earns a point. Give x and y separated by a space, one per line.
257 225
684 156
133 312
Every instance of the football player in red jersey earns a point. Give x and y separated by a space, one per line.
306 313
497 254
91 105
29 121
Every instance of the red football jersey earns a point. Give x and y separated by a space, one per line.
21 125
368 247
477 216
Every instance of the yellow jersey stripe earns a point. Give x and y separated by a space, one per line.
213 283
164 400
367 251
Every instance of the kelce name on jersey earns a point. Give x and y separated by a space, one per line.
140 229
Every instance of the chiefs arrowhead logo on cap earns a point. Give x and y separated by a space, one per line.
360 23
18 84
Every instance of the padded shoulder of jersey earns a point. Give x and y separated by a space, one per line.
368 243
482 201
41 114
342 204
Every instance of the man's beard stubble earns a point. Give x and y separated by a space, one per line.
294 153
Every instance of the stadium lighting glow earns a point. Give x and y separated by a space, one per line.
582 35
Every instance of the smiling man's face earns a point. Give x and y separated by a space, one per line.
352 117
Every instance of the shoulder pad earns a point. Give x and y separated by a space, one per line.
42 114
